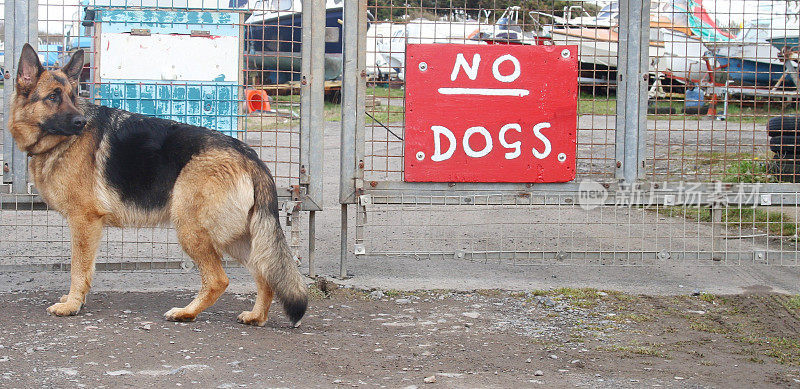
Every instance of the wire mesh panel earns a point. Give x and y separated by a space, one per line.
542 230
721 88
716 98
397 24
232 66
32 237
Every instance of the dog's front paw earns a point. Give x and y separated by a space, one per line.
179 314
64 309
250 318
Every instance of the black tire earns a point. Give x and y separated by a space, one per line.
785 170
785 145
661 110
783 126
702 110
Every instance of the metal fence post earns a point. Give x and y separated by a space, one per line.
632 76
312 103
23 28
353 101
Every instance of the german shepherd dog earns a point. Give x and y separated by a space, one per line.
103 166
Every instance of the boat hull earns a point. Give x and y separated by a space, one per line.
282 67
752 73
788 41
274 46
597 49
683 58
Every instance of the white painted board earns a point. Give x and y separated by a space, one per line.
170 57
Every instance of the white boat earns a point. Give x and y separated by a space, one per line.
576 15
598 46
381 38
684 58
390 51
508 30
752 59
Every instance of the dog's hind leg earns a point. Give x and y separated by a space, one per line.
240 250
197 243
258 316
86 231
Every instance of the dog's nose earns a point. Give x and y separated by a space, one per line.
78 122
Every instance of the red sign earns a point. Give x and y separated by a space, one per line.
490 113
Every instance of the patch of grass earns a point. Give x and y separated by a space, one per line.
579 297
489 292
794 302
730 167
596 105
748 171
386 116
332 112
704 326
785 350
577 338
392 293
775 223
315 294
393 92
707 297
652 350
758 114
692 213
630 318
576 293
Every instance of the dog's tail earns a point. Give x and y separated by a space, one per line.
269 252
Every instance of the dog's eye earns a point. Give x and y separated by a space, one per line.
53 96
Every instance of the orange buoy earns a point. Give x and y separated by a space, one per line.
257 100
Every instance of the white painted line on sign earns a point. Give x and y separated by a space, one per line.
484 92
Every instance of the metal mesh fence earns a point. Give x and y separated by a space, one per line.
33 237
721 110
399 23
543 230
232 66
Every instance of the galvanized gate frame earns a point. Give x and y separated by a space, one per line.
631 137
16 189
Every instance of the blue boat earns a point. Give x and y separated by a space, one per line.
752 73
273 39
751 59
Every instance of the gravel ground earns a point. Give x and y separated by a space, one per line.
385 338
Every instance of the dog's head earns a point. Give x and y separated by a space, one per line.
46 101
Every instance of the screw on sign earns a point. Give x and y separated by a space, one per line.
490 113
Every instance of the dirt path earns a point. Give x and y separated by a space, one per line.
563 338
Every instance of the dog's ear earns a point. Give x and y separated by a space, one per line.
74 67
29 70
